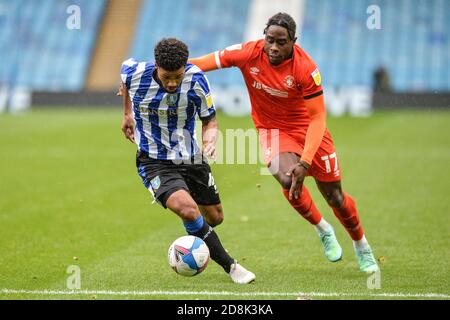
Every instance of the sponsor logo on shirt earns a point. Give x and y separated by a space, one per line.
269 90
157 112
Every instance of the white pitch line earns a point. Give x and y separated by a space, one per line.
224 293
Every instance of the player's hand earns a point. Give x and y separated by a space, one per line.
209 150
128 127
121 90
298 174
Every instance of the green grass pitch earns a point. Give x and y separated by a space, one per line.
70 195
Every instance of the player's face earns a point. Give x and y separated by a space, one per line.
278 46
170 80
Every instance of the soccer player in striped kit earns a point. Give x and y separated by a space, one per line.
161 101
288 109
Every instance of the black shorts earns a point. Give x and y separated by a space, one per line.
164 177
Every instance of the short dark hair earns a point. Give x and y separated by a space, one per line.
171 54
283 20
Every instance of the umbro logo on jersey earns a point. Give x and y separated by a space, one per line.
254 71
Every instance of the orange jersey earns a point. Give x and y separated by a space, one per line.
277 93
287 97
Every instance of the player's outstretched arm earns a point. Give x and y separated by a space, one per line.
314 135
206 62
316 130
128 120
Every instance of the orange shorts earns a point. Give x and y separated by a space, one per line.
324 167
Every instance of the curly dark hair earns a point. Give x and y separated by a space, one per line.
171 54
283 20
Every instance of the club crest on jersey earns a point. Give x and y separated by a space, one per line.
316 77
156 183
172 99
289 81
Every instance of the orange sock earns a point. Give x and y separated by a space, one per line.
304 206
348 216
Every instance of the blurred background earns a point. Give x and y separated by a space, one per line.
69 52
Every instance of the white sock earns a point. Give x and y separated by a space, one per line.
323 227
361 244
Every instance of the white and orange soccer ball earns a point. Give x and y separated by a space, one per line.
188 255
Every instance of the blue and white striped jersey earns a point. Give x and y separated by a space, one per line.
165 122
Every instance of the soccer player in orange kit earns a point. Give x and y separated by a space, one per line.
288 110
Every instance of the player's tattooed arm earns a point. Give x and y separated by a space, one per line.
128 120
209 137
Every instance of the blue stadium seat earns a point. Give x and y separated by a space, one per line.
205 26
37 49
413 42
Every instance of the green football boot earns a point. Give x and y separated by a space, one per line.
332 249
366 261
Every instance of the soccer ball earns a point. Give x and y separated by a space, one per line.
188 255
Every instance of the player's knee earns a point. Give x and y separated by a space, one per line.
189 213
335 199
187 210
218 216
213 222
285 181
214 215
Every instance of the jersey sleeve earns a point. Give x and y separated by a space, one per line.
312 81
126 71
234 56
204 102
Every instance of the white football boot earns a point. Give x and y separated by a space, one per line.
241 275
